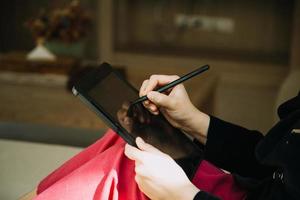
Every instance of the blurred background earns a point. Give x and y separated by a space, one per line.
253 48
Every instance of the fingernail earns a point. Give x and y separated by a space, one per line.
152 107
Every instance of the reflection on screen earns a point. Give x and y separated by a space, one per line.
114 95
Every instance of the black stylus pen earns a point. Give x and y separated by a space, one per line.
174 83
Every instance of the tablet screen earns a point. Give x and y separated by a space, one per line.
113 95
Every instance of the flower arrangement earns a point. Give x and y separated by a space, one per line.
69 24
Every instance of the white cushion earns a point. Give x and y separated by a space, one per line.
24 164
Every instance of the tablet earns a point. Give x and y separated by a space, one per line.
109 96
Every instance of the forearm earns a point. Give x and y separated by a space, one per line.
232 148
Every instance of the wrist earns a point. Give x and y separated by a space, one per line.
199 125
188 192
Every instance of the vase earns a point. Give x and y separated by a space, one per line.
40 52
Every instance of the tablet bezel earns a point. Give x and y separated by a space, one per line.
86 83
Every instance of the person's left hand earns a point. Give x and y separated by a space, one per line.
158 175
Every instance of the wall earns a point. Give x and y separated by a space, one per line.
291 85
243 91
261 29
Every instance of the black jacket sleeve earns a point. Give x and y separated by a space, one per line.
205 196
232 148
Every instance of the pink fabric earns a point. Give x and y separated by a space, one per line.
102 171
215 181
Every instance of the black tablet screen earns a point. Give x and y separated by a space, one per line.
114 96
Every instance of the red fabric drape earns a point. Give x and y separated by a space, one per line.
103 172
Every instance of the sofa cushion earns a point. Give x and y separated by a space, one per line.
24 164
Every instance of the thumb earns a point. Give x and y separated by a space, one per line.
160 99
146 147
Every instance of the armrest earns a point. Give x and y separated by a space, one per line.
29 195
49 134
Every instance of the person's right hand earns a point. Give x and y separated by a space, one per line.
175 105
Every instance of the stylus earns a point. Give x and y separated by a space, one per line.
174 83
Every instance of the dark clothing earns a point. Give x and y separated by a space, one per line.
267 167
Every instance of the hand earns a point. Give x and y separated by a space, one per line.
176 106
158 175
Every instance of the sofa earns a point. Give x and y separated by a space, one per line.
28 152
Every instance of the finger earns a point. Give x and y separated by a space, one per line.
161 99
147 104
143 87
152 107
155 113
133 153
146 147
158 80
